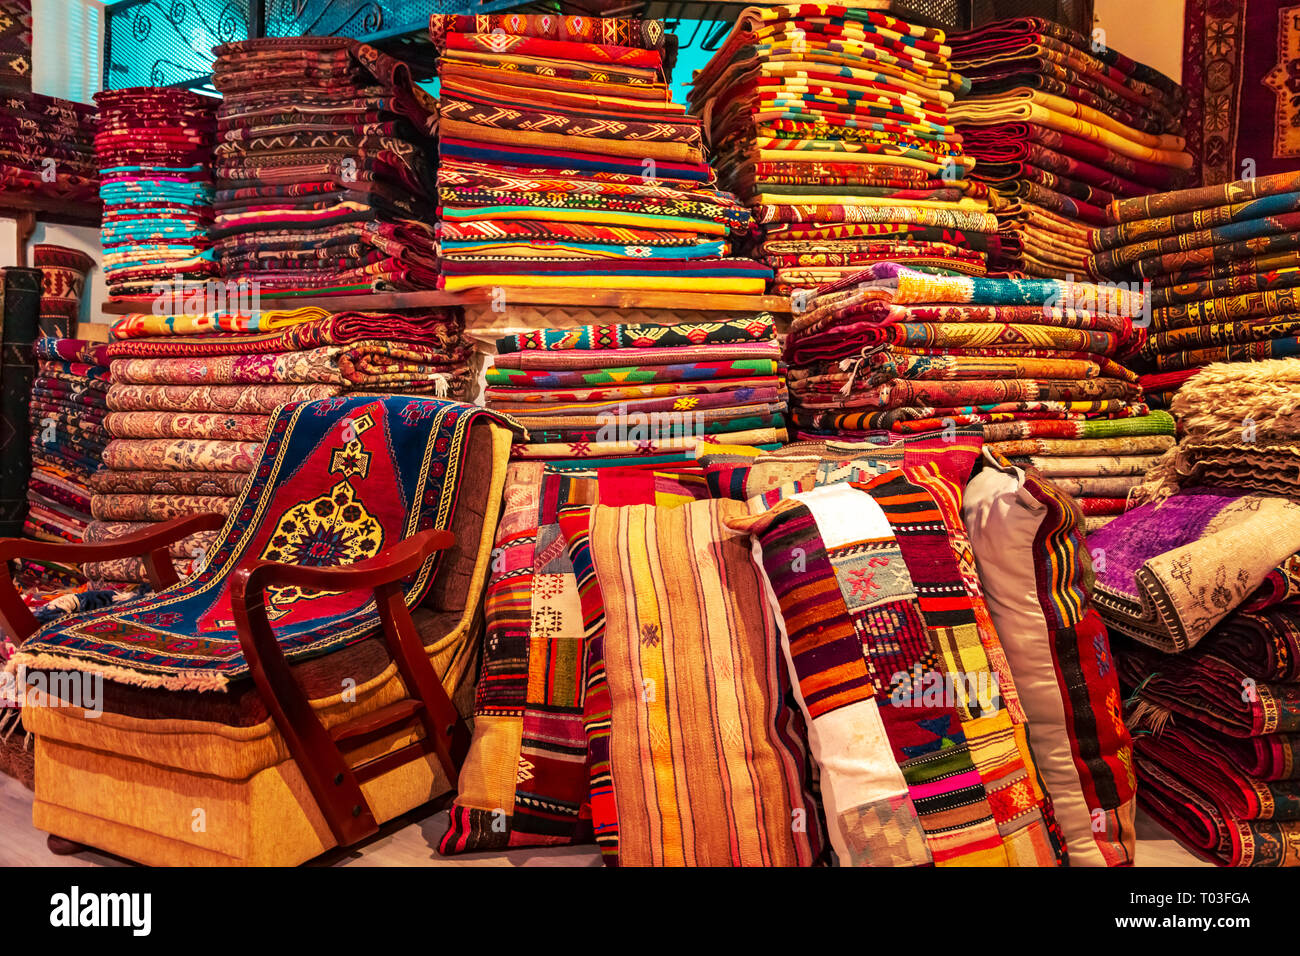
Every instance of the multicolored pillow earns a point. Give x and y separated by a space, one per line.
695 756
518 787
1037 576
913 719
525 779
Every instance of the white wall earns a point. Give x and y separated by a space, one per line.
84 238
67 48
1149 31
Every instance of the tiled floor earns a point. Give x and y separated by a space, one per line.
412 841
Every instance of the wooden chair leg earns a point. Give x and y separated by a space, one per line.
61 847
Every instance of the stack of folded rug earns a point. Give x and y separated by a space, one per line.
1224 266
564 162
833 124
1240 428
1061 126
192 397
1097 462
323 175
47 148
640 394
1207 585
68 440
155 161
892 350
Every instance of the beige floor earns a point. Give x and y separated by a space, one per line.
411 841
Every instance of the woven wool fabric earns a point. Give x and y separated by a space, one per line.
152 324
909 777
757 328
563 159
692 383
525 782
206 483
832 117
331 201
1240 107
1061 130
156 507
67 441
435 329
34 128
1212 808
231 399
564 360
1166 581
1216 725
180 454
342 477
16 45
705 770
1092 466
1156 423
895 350
169 425
156 186
1118 446
359 365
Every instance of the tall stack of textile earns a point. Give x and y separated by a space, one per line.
1061 126
640 394
155 159
68 439
191 399
1203 576
832 123
47 148
564 162
323 168
1224 266
1036 362
1098 462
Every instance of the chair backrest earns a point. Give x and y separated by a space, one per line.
338 480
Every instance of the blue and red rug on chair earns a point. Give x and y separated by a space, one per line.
338 481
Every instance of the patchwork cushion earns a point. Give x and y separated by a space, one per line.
913 720
524 782
1037 578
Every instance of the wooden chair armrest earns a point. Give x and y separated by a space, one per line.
151 543
323 765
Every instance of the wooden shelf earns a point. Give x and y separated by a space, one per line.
27 209
60 211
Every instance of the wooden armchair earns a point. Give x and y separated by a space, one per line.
321 753
304 686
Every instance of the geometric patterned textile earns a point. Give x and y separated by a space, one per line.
338 480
